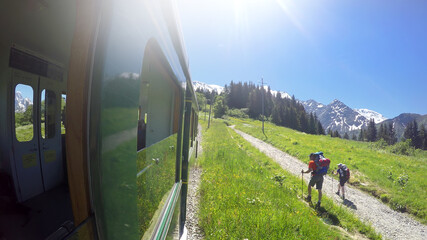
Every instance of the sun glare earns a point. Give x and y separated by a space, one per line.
287 7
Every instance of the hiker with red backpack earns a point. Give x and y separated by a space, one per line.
344 173
318 166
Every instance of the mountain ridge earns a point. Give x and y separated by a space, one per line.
21 103
337 116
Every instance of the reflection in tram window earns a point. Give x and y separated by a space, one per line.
158 123
47 113
24 129
63 111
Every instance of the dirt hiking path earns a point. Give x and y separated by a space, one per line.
389 223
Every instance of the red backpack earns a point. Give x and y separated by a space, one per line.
347 173
322 163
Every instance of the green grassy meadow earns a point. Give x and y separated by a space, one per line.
24 133
398 180
246 195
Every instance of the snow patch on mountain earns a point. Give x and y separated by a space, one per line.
371 114
282 94
21 103
274 93
209 87
339 117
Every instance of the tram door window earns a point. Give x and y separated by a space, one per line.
50 146
24 129
37 137
25 145
47 113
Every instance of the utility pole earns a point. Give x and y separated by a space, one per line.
262 102
210 110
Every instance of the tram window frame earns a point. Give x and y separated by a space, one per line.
149 103
48 126
31 118
63 113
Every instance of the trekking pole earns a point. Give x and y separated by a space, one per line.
302 185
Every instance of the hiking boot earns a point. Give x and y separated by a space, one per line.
318 205
337 193
308 198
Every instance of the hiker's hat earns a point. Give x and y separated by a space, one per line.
340 165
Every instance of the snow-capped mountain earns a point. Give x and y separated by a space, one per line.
340 117
334 116
21 103
205 86
371 114
312 106
282 94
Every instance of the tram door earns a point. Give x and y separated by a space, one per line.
36 134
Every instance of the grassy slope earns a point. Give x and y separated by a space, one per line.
374 170
245 194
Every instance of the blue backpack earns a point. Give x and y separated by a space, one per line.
322 163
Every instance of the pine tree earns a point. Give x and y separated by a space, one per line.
254 103
361 135
381 133
423 137
391 134
336 134
275 115
303 123
353 137
319 128
411 132
312 124
407 134
416 136
346 135
371 134
269 105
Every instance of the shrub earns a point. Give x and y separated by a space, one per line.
397 206
404 148
385 198
380 144
402 180
238 113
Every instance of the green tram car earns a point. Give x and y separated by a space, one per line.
98 120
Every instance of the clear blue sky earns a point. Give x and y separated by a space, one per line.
368 54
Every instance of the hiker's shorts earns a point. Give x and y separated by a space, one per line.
342 182
316 179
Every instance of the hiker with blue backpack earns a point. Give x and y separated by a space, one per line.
344 173
318 166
